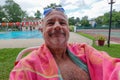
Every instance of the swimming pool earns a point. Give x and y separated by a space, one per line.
20 35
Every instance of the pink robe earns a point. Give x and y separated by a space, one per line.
40 64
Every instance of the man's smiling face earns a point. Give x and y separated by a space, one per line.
55 29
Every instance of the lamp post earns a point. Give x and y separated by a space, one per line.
111 2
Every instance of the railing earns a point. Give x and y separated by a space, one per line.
99 27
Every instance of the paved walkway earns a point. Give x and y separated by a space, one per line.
21 43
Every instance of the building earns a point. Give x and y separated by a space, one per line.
30 24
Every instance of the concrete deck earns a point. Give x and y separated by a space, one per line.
21 43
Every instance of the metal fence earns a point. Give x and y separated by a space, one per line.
117 26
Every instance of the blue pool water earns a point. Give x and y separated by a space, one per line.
20 35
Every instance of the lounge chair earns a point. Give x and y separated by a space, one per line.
24 51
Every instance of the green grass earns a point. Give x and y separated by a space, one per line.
86 35
113 50
7 59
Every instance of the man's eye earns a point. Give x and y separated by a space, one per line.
50 23
62 23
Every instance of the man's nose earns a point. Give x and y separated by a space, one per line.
57 26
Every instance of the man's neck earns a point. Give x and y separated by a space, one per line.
58 53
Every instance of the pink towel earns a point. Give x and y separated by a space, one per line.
40 64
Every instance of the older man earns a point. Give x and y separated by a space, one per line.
58 60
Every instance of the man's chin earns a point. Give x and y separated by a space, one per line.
58 42
58 46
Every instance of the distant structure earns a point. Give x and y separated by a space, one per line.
93 23
25 25
30 24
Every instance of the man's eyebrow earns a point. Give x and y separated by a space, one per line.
59 19
63 20
50 20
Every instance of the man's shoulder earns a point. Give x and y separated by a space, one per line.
73 44
29 58
82 47
36 56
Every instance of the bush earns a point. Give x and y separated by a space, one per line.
71 28
100 37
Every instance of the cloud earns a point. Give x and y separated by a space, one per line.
31 6
90 8
74 8
2 2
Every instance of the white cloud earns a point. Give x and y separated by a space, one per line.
2 2
97 9
75 8
31 6
93 8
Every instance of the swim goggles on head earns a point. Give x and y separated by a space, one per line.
48 10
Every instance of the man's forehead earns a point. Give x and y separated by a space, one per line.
56 13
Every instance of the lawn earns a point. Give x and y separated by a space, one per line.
113 50
8 56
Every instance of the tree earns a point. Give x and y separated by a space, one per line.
116 18
84 21
37 14
52 6
104 20
77 20
71 21
99 20
13 11
2 14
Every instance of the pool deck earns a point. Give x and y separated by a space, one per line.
23 43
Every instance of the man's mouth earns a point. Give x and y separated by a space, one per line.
56 33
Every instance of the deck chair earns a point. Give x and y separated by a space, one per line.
24 51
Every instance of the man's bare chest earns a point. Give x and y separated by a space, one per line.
71 71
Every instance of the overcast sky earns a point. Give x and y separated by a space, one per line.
76 8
